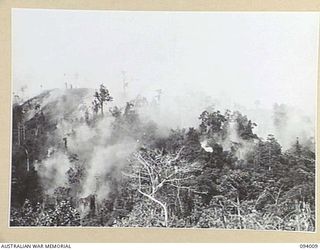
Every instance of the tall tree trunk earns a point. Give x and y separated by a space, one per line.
239 212
27 158
164 207
102 109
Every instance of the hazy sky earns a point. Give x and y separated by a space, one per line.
244 57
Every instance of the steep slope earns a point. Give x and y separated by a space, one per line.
34 132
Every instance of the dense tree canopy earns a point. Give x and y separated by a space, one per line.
217 175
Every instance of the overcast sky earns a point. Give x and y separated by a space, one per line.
244 57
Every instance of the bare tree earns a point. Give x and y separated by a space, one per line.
160 177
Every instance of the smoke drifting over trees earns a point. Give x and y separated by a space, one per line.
164 119
126 166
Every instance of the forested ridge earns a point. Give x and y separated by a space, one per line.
100 164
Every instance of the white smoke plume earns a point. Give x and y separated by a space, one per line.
103 159
93 144
53 171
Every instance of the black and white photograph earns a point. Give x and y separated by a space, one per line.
164 119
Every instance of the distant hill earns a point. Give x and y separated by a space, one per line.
36 119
